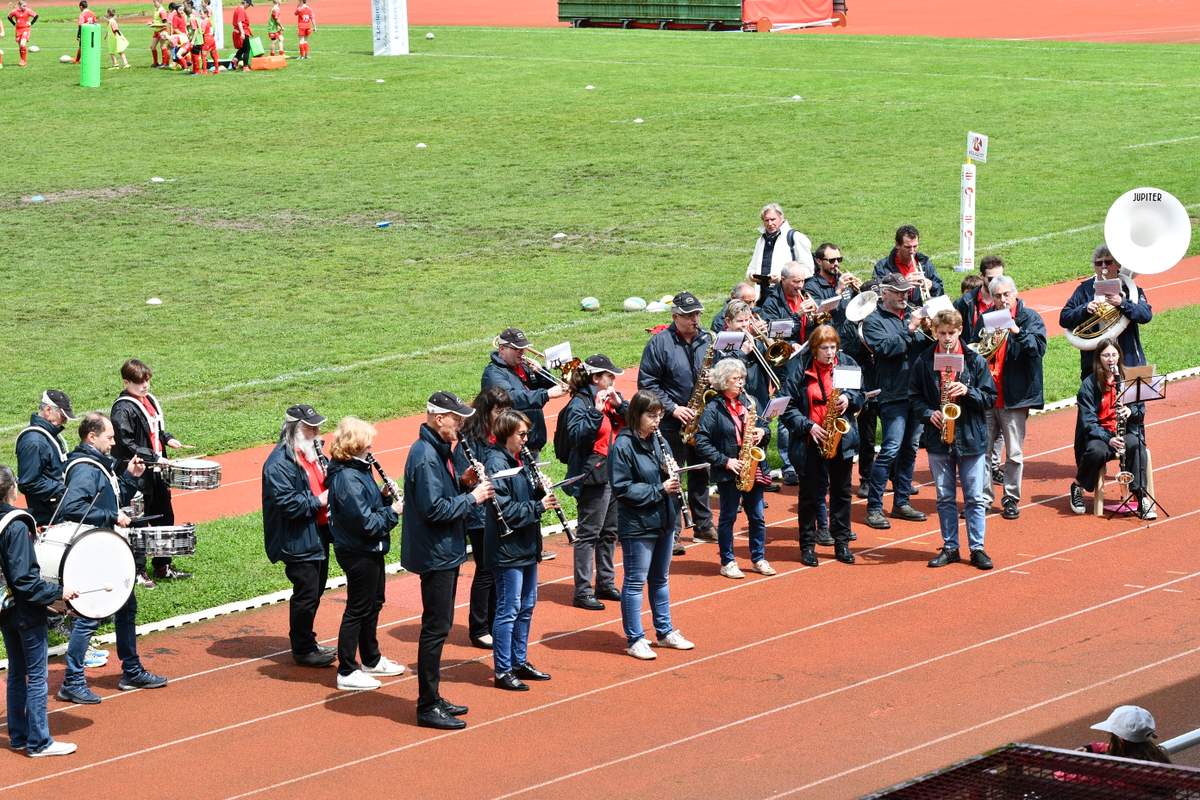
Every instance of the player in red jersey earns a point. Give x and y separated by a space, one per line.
209 48
306 24
86 17
179 36
241 35
22 19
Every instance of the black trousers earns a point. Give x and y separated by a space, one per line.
821 476
1098 453
437 600
157 495
483 589
867 419
308 584
243 53
697 481
364 600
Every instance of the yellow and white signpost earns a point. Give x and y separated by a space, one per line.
977 145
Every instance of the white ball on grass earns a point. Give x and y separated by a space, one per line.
429 35
634 304
638 121
667 299
558 237
589 304
589 87
656 307
154 301
421 145
33 48
379 80
64 59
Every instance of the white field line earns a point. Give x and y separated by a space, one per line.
1122 32
1162 142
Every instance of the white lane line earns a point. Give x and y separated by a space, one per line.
1176 591
1134 586
1119 32
1162 142
1020 572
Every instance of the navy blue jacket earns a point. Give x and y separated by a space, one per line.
583 426
670 366
528 397
797 414
435 508
776 307
644 510
1087 417
1021 379
360 520
716 437
888 264
1139 313
819 289
19 564
41 455
521 505
86 482
289 510
477 516
758 385
853 347
718 321
970 429
895 349
133 432
968 307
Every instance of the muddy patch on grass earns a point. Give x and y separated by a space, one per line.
73 195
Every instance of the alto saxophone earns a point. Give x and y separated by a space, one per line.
950 411
749 455
701 393
835 425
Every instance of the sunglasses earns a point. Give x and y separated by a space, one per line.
837 260
1103 262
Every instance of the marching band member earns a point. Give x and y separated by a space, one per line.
361 520
296 527
477 436
778 244
671 364
788 301
810 387
23 626
1083 303
719 441
829 281
513 556
530 389
758 384
975 303
1096 439
594 417
965 459
140 426
915 267
42 453
95 492
868 415
1016 368
433 544
891 333
646 521
744 291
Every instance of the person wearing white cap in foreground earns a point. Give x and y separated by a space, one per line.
1130 730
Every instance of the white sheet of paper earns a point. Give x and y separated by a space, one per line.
558 354
780 327
828 305
847 377
729 340
776 407
505 473
936 304
997 320
952 362
1110 286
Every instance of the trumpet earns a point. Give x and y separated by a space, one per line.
817 317
534 366
853 287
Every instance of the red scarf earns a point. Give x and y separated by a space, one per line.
737 410
316 482
818 391
1107 413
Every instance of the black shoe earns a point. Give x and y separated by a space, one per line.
608 593
863 491
323 649
143 680
790 478
998 476
1011 511
980 560
529 672
876 519
823 538
314 659
704 535
167 572
438 717
483 642
808 557
853 536
509 682
1077 498
589 602
841 552
451 709
948 555
83 697
772 487
909 513
678 549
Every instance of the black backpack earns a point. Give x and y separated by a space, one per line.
562 439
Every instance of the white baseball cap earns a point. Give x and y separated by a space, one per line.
1131 723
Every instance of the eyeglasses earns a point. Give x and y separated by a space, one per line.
836 260
1103 262
524 434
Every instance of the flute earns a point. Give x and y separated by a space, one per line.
672 467
482 474
534 470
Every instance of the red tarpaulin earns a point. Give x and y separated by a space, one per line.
784 11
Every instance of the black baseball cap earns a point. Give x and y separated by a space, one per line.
896 282
686 303
514 337
58 399
306 414
600 363
448 403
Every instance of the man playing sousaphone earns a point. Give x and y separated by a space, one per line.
1084 305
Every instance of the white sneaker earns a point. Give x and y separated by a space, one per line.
385 667
56 749
549 555
732 570
641 649
675 641
357 681
95 658
1147 509
763 567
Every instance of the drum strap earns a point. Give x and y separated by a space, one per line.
58 443
158 422
112 479
5 521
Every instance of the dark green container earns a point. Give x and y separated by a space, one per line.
627 13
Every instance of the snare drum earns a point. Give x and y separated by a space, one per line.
157 541
96 562
193 473
136 507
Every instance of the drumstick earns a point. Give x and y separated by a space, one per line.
100 589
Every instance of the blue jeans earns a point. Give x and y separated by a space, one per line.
516 594
28 725
81 633
782 437
752 502
901 440
647 561
973 473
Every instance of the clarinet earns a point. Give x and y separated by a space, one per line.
1124 476
535 471
321 459
673 469
482 473
388 483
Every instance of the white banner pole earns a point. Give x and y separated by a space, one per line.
389 24
966 226
218 23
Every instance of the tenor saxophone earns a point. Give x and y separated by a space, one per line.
701 393
749 455
835 425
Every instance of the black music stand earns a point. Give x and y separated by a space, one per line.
1143 386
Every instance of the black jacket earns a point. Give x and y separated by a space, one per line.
635 471
527 397
968 307
289 510
888 264
819 289
41 455
670 366
1087 417
476 517
360 520
895 348
776 307
583 425
1022 376
1139 313
19 564
718 321
970 430
716 437
796 415
758 385
853 347
521 505
133 431
88 481
435 508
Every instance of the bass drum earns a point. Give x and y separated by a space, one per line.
96 562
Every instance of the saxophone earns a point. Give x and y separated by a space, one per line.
835 425
749 455
950 411
701 393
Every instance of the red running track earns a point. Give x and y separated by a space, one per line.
823 683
